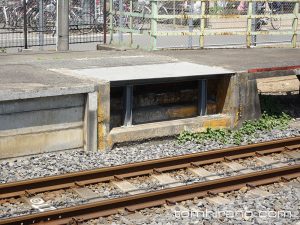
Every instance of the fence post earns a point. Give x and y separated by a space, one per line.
191 25
295 25
104 21
25 24
111 28
154 12
121 21
202 24
41 24
249 24
130 23
62 25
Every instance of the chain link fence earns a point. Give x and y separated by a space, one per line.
158 24
33 22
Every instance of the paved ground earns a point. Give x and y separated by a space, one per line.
32 70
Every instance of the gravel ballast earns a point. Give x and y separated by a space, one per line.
55 163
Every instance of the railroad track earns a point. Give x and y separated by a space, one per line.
174 191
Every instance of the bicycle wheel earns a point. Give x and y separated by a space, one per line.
276 22
163 11
141 22
85 22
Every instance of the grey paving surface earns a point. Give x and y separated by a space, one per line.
19 81
150 73
28 75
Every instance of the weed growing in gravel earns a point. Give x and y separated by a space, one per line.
247 132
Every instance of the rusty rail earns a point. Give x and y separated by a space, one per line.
156 198
33 186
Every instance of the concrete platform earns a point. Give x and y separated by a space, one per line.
59 90
149 74
43 111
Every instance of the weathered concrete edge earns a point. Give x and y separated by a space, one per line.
167 128
46 92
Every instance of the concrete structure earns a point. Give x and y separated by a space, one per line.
41 111
62 25
52 98
153 95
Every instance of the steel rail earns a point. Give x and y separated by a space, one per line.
51 183
156 198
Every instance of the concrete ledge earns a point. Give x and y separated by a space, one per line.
167 128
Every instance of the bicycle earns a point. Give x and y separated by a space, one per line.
275 8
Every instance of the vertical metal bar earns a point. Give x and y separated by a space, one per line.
254 22
25 24
191 25
41 24
249 25
174 13
128 104
62 25
130 23
295 25
202 24
111 28
104 22
121 23
154 12
202 97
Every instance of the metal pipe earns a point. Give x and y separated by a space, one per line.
25 24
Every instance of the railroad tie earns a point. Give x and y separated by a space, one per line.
267 160
166 180
293 154
200 172
218 200
237 167
176 207
86 193
38 203
257 192
127 187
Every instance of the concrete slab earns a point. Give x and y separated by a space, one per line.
19 81
142 74
85 192
127 187
204 173
238 167
165 179
258 193
267 160
218 200
294 154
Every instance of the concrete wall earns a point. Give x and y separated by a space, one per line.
39 125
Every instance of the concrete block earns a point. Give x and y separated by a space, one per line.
35 104
90 122
33 143
41 117
103 115
166 128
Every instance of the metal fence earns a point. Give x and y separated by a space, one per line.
158 24
33 22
